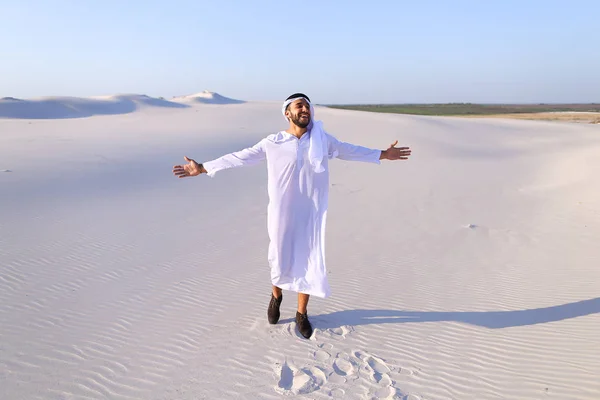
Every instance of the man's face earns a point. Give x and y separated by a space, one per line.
299 113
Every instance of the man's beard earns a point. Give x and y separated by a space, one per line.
298 123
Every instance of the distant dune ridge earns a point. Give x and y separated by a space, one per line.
59 107
207 97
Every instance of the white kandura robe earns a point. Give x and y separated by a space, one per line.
297 210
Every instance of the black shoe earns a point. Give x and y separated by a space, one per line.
303 325
273 312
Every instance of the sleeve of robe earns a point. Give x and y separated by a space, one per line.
352 152
249 156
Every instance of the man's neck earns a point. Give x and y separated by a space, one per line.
296 130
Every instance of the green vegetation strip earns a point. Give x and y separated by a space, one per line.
469 109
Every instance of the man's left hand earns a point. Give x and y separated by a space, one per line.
395 153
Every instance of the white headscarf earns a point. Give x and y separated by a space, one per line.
317 148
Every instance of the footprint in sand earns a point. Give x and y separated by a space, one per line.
376 368
382 374
337 393
337 333
343 367
388 392
321 355
338 371
318 378
336 379
385 380
378 365
294 381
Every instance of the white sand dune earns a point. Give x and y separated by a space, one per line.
206 97
469 272
78 107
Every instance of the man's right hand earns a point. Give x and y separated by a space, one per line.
192 168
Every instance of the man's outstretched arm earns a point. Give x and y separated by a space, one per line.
351 152
249 156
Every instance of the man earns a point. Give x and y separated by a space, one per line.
298 188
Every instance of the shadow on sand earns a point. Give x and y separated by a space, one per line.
487 319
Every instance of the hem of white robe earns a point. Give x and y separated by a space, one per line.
294 288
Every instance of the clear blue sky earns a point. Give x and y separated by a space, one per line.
334 51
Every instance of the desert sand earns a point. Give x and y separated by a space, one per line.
470 271
565 116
